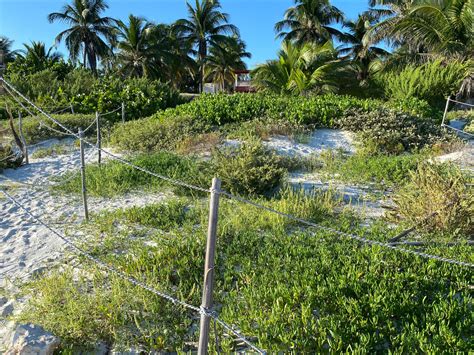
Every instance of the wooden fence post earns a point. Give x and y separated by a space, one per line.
83 175
209 266
99 138
123 112
22 137
445 111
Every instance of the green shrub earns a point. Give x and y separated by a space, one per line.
317 110
6 158
441 190
88 94
250 169
142 97
148 135
34 131
387 131
432 82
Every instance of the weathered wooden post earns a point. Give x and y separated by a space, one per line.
445 111
123 112
99 137
22 137
83 174
206 303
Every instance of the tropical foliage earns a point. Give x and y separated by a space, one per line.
88 33
205 26
300 69
309 21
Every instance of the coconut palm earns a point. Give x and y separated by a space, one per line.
136 51
37 57
431 27
205 26
6 53
88 32
224 60
309 21
361 49
299 69
443 27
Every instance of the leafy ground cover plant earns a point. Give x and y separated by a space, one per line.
289 289
439 198
318 110
387 170
113 178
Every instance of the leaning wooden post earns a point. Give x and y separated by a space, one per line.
445 111
72 109
206 304
22 137
83 175
123 112
99 137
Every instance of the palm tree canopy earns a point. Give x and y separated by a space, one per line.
360 48
88 32
309 21
6 49
224 60
300 69
136 52
438 27
205 26
36 54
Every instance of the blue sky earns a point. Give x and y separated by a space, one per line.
25 20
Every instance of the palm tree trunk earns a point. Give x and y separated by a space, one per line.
202 57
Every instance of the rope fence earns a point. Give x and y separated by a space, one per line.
78 250
206 312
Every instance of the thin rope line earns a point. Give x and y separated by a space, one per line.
458 130
32 114
212 314
461 103
349 235
108 113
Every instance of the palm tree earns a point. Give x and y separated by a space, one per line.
299 70
428 27
136 52
6 52
361 49
88 32
224 60
309 21
206 26
444 27
37 57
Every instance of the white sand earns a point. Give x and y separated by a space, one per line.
319 141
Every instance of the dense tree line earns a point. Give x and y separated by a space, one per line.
316 56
